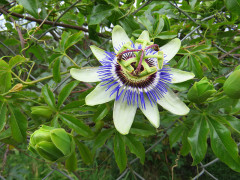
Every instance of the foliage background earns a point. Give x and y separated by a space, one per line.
40 43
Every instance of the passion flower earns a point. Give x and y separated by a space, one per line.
136 75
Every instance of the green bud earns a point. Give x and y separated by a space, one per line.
231 86
201 91
42 111
53 144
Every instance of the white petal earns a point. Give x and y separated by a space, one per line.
85 74
180 76
123 115
98 53
173 104
99 95
144 35
152 113
170 49
119 37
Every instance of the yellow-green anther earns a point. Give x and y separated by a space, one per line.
160 60
145 65
146 73
153 56
127 68
129 61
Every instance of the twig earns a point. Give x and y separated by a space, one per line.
48 174
186 14
142 6
5 158
8 48
52 23
194 45
80 91
229 52
63 173
17 28
190 33
70 7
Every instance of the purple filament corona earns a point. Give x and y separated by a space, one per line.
151 89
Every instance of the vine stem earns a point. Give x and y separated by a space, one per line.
71 60
36 81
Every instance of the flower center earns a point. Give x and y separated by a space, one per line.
136 73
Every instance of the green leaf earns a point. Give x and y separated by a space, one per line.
146 23
119 152
195 67
71 163
54 121
167 35
102 138
16 60
31 6
192 3
56 70
48 97
183 62
185 149
54 57
76 125
5 134
18 123
142 129
3 115
38 51
223 145
77 106
214 60
99 13
73 39
200 48
233 6
198 139
234 122
5 77
64 38
65 92
205 60
135 146
85 153
159 25
101 112
176 134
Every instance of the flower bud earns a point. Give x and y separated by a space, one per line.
231 86
53 144
17 87
201 91
44 111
